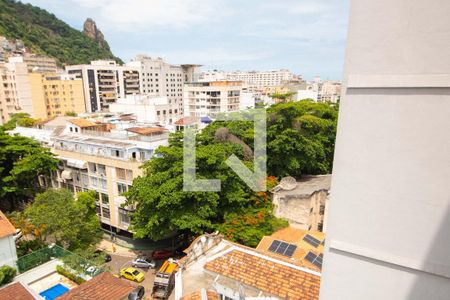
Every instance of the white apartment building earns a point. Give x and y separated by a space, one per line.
147 108
162 79
210 98
388 231
15 91
252 78
37 62
104 81
94 158
306 94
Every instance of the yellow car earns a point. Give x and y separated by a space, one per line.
132 274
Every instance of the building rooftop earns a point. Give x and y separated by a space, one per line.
83 123
187 121
102 287
302 241
276 277
202 294
146 130
306 186
6 228
16 291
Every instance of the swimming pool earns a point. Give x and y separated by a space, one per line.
54 292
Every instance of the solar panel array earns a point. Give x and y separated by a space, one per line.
282 248
311 240
315 259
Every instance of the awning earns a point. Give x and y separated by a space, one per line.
76 163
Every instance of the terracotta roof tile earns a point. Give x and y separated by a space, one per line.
16 291
146 130
82 123
210 295
6 228
187 121
102 287
273 276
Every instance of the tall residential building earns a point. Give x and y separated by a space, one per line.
37 62
164 80
210 98
252 78
388 231
15 93
104 81
55 94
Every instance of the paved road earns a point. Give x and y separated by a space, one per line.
118 262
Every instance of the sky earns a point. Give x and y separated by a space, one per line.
305 36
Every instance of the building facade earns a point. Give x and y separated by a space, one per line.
55 95
15 93
210 98
252 78
104 81
164 80
8 254
36 62
389 215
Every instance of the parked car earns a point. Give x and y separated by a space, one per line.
162 254
137 293
106 255
132 274
142 263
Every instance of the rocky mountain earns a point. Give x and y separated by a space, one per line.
91 30
42 32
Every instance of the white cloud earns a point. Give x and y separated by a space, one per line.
151 15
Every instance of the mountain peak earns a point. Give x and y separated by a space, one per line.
91 30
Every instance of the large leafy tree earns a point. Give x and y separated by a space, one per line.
300 138
300 141
69 222
22 160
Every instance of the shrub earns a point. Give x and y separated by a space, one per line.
7 274
26 247
69 275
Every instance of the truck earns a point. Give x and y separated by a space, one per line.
165 280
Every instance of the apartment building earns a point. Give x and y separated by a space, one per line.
37 62
252 78
15 92
146 108
388 233
55 94
164 80
93 156
104 81
210 98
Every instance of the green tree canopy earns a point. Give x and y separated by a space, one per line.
69 222
22 160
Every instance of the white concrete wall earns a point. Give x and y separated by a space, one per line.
8 254
389 217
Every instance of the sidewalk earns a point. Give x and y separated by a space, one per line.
110 247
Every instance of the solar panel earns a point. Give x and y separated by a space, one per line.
311 240
274 246
315 259
282 248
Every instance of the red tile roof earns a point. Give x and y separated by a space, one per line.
16 291
187 121
83 123
275 277
102 287
146 130
6 228
210 295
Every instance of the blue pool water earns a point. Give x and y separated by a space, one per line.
54 292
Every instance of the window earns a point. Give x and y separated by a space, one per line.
121 188
92 167
120 173
105 198
102 183
105 213
101 169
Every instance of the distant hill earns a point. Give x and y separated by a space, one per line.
43 33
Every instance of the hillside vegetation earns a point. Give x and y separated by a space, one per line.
42 32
